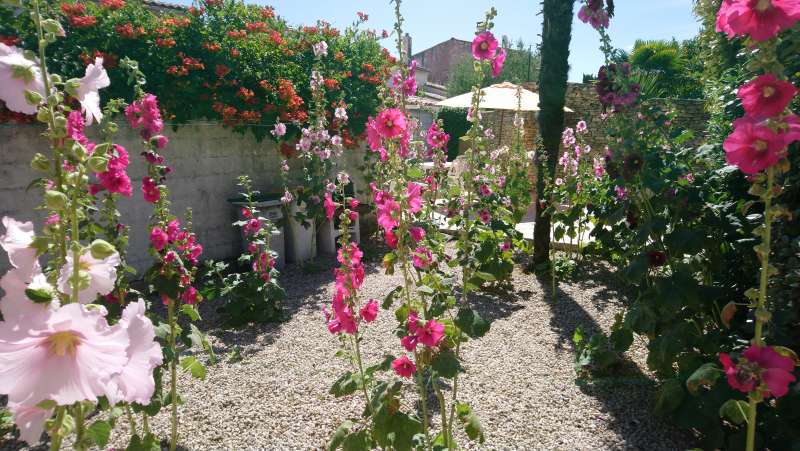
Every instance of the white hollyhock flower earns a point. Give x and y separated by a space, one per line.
97 276
95 79
17 243
18 74
321 49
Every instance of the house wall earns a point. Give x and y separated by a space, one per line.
441 58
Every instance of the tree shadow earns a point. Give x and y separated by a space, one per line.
497 304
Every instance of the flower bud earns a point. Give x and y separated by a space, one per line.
55 200
78 151
53 26
40 163
43 115
55 79
102 249
98 163
39 295
61 127
33 97
101 149
71 87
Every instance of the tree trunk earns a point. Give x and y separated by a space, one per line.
553 71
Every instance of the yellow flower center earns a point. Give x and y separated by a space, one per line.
63 343
768 91
763 5
760 145
389 124
484 45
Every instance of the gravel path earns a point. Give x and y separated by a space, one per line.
519 380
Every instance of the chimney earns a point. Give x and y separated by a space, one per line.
407 46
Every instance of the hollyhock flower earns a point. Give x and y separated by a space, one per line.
505 246
342 321
320 49
404 367
409 342
498 62
620 192
190 295
174 228
145 114
369 311
15 305
484 216
94 79
279 130
329 205
388 213
762 368
760 19
596 17
409 86
766 96
753 147
18 74
484 46
252 227
30 421
436 137
417 233
17 243
413 322
158 238
414 195
75 127
73 342
390 239
430 333
373 136
391 123
97 276
116 182
340 114
422 257
150 190
287 198
790 130
484 190
135 382
581 127
161 141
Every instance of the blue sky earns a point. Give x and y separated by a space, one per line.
432 21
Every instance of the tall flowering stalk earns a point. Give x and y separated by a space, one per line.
60 348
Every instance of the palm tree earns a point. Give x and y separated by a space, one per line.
553 71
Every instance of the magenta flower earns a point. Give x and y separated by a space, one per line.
760 19
414 193
409 342
791 129
390 239
158 238
596 16
422 257
484 216
329 205
391 123
369 311
498 62
150 190
484 190
373 137
766 96
436 137
388 211
431 333
753 147
417 233
404 367
762 368
145 113
413 322
484 46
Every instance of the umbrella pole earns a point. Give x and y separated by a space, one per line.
502 115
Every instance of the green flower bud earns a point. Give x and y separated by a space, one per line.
55 200
101 249
71 86
78 151
61 127
97 163
43 115
33 97
76 179
101 149
40 163
39 295
55 79
53 26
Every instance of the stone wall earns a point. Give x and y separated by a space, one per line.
206 159
442 58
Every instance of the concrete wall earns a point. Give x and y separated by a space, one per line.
206 159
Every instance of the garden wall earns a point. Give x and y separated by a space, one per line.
206 159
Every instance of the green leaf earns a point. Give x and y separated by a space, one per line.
577 336
99 432
190 311
389 299
192 365
621 339
472 425
735 410
471 323
669 397
346 384
705 376
148 443
485 276
167 285
395 429
341 433
358 441
446 364
415 173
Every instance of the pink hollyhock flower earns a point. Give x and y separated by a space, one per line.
498 62
484 190
17 74
158 238
161 141
390 239
417 233
343 321
762 368
596 17
414 194
760 19
97 276
190 295
279 130
431 333
484 216
404 367
30 421
145 113
17 243
173 229
790 129
373 137
388 213
413 322
329 205
135 382
621 192
15 305
391 123
115 182
436 137
95 78
73 342
150 190
410 86
422 257
753 147
194 253
581 127
766 96
505 246
409 342
75 127
320 49
354 203
369 311
484 46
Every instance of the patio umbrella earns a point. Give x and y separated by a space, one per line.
502 96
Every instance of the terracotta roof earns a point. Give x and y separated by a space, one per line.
164 5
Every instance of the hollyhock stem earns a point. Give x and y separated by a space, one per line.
145 424
762 300
423 398
55 433
173 389
79 426
131 420
76 251
446 432
361 373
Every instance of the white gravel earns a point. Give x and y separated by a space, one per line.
520 378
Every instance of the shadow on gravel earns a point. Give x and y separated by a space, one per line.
498 303
627 395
